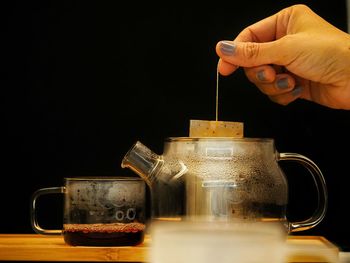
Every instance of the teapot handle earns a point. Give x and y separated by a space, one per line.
320 183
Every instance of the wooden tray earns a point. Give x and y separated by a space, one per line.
34 247
311 249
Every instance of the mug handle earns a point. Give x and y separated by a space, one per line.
33 217
320 183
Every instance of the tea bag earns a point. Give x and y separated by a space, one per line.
204 128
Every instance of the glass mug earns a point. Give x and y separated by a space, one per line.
98 211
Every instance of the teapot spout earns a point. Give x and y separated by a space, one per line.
143 162
152 167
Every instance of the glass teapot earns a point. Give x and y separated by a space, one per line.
222 178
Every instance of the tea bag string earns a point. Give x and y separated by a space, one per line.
217 93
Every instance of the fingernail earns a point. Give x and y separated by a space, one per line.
282 83
297 91
227 48
261 75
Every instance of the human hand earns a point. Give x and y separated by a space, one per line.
292 54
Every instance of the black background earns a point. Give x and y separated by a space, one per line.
85 80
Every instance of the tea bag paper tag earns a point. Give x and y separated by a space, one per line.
204 128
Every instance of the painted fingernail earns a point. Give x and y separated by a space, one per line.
261 75
282 83
297 91
227 48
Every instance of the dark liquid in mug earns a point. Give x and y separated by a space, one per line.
118 234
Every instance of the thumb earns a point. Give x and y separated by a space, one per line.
250 54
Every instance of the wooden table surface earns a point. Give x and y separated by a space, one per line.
34 247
